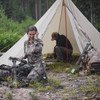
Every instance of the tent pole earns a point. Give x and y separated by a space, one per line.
60 18
66 31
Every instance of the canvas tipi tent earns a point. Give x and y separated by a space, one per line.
65 18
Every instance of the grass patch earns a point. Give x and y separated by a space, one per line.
43 87
9 96
58 66
33 94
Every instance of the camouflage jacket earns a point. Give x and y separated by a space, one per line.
33 51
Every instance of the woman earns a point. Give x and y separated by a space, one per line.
33 52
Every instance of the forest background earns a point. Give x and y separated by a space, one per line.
17 15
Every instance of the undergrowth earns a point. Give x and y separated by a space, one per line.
58 66
51 85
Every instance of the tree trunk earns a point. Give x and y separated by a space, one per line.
91 6
36 9
39 9
23 6
47 5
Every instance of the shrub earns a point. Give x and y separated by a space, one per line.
10 31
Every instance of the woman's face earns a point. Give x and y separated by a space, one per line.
31 34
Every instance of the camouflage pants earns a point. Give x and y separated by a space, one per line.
30 71
33 71
61 54
4 74
20 71
37 72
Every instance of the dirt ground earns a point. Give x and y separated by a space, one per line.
72 87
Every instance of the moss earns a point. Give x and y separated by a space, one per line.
58 66
9 96
75 57
41 87
33 94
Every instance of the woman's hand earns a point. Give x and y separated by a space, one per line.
22 57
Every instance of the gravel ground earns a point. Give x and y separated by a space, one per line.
73 87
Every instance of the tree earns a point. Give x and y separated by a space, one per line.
91 9
19 9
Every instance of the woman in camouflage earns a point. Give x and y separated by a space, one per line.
33 52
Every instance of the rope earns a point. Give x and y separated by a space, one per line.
60 18
7 46
66 31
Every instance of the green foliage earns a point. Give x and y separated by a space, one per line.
91 87
49 55
97 25
44 89
41 87
91 9
73 92
65 97
7 40
75 57
83 88
33 94
19 9
76 76
35 84
9 96
10 31
94 89
58 66
54 83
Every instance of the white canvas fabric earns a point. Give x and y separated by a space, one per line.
86 31
75 26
